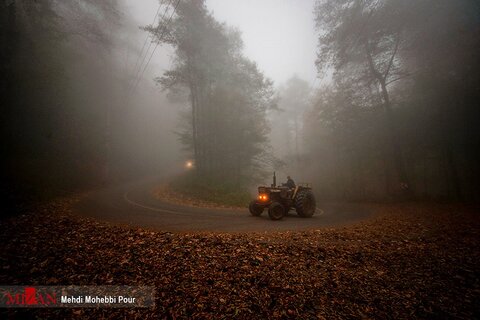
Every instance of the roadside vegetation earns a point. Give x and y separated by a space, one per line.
221 194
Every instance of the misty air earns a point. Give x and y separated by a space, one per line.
218 159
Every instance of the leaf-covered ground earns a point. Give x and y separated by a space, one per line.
409 261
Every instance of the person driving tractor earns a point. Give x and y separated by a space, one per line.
279 200
290 183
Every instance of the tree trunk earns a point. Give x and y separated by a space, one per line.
8 55
8 92
394 144
297 152
200 127
194 121
453 179
194 102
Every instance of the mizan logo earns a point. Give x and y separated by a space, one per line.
33 296
30 297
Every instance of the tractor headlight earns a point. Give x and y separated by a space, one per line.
262 197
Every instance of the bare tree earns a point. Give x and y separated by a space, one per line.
364 51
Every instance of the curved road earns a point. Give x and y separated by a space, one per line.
133 205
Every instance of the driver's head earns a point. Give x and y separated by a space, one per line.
288 178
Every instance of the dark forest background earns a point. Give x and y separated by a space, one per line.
69 119
401 117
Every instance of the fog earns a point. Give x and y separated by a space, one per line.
365 101
278 35
243 159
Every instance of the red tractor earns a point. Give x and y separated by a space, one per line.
279 201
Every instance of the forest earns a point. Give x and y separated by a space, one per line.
68 121
139 140
399 117
394 116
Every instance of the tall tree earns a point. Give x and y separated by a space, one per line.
228 95
361 40
43 44
294 99
411 63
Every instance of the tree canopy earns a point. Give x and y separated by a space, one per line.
228 95
402 98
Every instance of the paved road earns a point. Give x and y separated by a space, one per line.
133 205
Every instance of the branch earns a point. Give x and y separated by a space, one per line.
390 63
400 78
371 65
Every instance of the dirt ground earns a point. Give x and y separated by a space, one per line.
407 261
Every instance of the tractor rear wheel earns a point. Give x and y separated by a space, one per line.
276 211
305 204
255 209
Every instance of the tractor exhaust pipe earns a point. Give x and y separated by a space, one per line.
274 180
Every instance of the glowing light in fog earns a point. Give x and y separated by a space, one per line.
263 197
189 164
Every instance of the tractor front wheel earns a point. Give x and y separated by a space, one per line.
276 211
255 209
